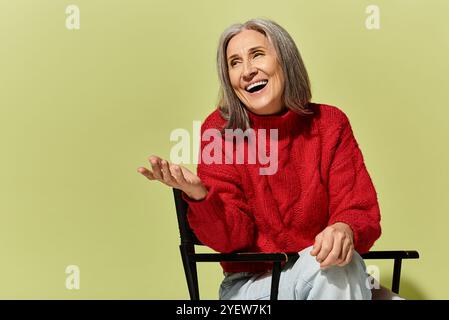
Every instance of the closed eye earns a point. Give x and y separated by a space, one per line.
257 53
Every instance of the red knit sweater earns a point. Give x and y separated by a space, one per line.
321 179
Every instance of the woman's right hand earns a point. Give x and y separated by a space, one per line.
175 176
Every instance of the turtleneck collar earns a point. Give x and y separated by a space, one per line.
284 121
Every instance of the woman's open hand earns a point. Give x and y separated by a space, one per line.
175 176
334 245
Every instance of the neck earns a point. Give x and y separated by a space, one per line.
280 111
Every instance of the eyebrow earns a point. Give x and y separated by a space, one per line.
250 50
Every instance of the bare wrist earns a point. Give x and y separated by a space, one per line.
198 195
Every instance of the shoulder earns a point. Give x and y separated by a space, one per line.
329 116
214 120
330 122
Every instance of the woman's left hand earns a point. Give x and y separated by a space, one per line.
334 245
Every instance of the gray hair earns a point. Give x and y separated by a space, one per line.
297 92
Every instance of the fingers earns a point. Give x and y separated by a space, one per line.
350 255
161 170
334 256
333 247
317 245
178 175
347 255
169 174
156 166
326 246
345 250
147 173
166 174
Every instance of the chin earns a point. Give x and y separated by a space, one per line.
261 110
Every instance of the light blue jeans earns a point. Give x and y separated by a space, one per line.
301 280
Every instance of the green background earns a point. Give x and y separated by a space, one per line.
80 110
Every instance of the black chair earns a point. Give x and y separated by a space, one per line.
190 257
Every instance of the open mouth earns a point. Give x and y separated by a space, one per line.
257 86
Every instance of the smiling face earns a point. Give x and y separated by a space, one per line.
254 72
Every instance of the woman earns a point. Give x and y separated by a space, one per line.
320 201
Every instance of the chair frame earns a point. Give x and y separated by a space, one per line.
190 258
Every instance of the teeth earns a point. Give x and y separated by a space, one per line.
252 85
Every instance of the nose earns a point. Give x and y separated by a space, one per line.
249 71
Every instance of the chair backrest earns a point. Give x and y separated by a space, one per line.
186 233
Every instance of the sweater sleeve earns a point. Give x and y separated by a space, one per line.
352 197
222 220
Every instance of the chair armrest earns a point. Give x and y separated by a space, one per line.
275 257
391 255
245 256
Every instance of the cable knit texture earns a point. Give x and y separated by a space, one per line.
321 179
